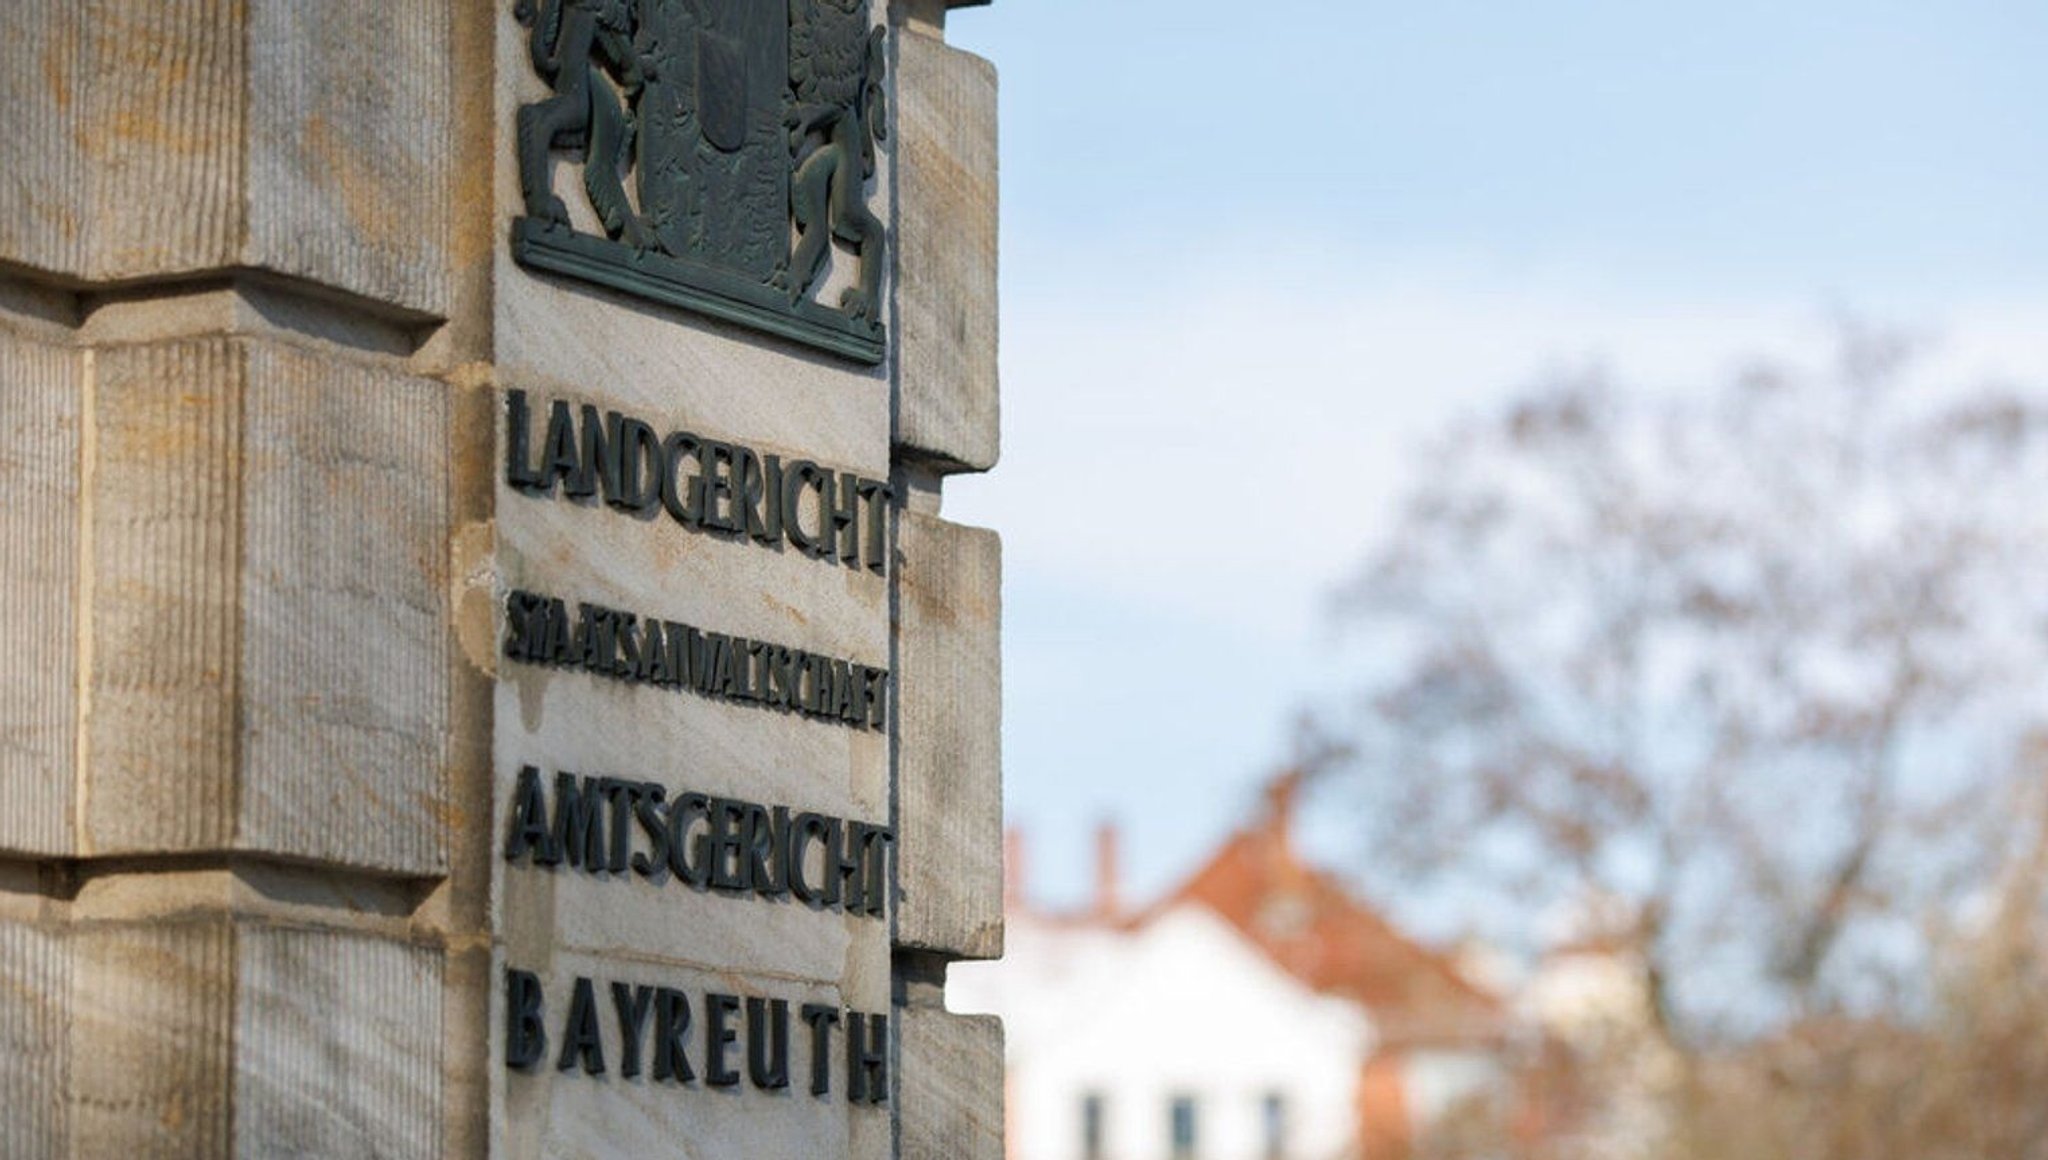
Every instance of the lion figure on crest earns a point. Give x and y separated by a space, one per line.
582 48
835 122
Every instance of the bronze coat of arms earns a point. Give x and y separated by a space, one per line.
725 146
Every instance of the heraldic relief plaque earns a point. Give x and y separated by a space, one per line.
704 130
694 842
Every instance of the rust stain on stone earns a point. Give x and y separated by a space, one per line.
55 75
787 609
368 205
472 595
474 186
174 1111
450 817
473 376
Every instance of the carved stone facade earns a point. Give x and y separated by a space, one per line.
492 676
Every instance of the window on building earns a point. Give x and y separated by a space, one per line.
1092 1134
1182 1127
1273 1126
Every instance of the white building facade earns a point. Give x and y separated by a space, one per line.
1260 1011
1170 1039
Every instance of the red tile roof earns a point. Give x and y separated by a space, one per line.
1317 931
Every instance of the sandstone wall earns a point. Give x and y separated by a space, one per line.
259 740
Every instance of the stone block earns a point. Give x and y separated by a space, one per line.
952 1094
152 1048
950 757
946 208
338 1046
40 393
209 1036
351 134
268 629
35 992
344 627
166 557
43 197
180 137
928 16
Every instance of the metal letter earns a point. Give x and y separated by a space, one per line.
638 485
579 822
867 1058
580 1038
697 872
689 511
768 1047
718 1036
842 517
530 822
671 1036
877 496
526 1039
648 812
518 473
631 1004
820 1018
563 463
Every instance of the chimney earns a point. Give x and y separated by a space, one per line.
1283 793
1107 906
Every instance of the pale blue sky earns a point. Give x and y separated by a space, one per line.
1797 143
1253 253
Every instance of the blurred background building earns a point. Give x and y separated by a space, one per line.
1619 432
1258 1010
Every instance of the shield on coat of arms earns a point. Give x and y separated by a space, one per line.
714 170
722 89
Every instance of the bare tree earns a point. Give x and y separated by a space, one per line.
1751 675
